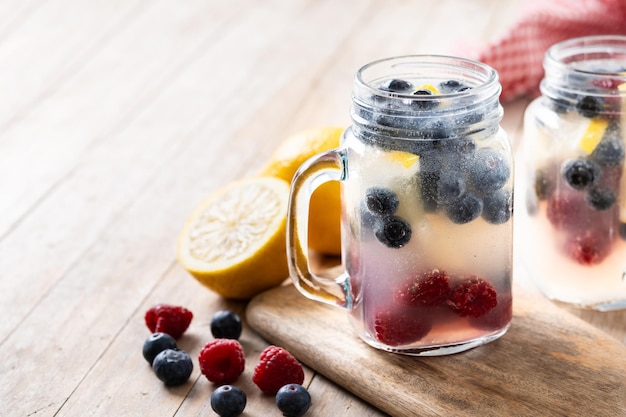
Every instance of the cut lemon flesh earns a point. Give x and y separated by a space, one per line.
234 242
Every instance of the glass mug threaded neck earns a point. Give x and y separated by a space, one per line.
425 97
586 69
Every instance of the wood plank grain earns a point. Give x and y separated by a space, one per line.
70 173
117 227
330 400
100 98
13 14
549 363
51 43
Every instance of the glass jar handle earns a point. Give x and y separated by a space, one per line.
318 170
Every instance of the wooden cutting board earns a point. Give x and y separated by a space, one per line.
549 363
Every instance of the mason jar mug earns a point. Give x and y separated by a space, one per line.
427 192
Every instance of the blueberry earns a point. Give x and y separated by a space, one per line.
498 206
610 150
436 128
423 92
465 209
469 119
228 401
393 121
447 149
392 231
173 366
421 104
463 147
387 142
396 85
381 200
157 343
452 86
488 170
450 187
601 198
589 106
293 400
580 174
226 324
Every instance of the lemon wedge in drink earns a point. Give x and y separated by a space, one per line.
406 159
593 134
234 242
428 87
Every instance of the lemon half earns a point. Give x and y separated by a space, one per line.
234 242
325 208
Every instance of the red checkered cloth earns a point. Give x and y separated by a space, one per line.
518 56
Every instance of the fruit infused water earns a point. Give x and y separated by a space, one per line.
575 187
427 194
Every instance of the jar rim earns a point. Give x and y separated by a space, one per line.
449 112
568 54
485 77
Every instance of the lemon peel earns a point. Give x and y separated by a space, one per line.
234 242
325 208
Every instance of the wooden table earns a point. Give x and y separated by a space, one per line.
117 117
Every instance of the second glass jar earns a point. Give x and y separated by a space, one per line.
574 224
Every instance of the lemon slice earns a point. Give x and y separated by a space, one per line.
593 134
234 242
406 159
428 87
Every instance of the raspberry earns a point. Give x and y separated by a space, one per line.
164 318
399 326
428 289
276 368
497 318
588 248
222 360
474 298
607 83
